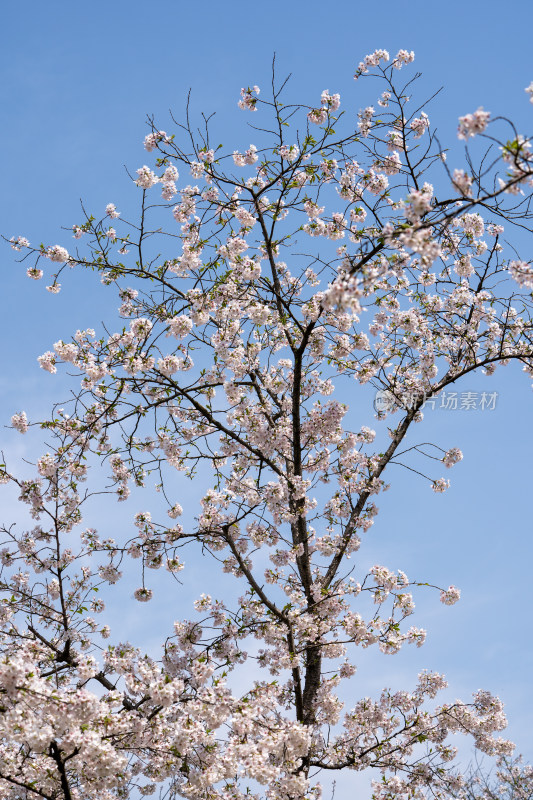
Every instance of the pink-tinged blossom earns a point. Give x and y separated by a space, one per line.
403 57
175 512
440 485
289 153
358 214
463 266
143 595
207 156
146 178
54 589
169 365
168 191
109 573
111 211
20 422
420 125
142 518
141 327
365 120
210 194
329 168
391 164
170 175
312 209
316 228
19 242
377 183
153 139
46 466
246 219
529 90
522 273
419 202
197 169
47 362
450 595
57 253
234 247
371 60
472 124
395 140
249 98
34 273
318 115
472 223
331 101
452 456
248 157
180 326
416 636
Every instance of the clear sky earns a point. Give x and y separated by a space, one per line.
77 81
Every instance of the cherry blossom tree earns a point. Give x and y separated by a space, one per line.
258 290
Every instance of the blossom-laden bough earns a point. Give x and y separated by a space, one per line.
254 286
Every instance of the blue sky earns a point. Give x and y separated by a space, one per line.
77 81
